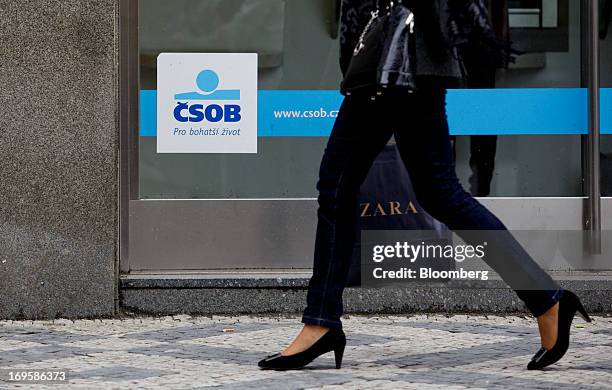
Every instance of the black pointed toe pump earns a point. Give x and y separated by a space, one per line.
569 304
333 340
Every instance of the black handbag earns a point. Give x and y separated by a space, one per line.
385 55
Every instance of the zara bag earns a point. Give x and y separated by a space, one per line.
385 55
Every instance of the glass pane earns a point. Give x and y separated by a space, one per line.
295 51
539 155
534 162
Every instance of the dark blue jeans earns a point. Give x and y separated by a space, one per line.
420 126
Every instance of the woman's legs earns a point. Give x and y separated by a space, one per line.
426 151
361 131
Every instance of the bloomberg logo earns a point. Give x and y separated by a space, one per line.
207 103
208 82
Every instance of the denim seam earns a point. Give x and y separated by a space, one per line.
322 319
553 300
556 297
333 249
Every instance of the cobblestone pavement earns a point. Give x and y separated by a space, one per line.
423 352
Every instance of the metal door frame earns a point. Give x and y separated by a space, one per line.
591 143
129 100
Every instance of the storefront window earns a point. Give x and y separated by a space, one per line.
537 151
519 133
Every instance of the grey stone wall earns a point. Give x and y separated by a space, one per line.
58 158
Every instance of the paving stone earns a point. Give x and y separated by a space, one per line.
395 352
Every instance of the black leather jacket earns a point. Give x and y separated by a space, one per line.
441 26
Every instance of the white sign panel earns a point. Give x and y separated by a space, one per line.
206 103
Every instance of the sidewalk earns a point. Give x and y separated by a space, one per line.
423 352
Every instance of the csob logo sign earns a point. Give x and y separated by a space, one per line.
208 82
207 103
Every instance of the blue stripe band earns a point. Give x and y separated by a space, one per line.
520 111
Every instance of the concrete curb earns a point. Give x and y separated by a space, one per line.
287 295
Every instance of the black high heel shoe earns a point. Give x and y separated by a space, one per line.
333 340
569 304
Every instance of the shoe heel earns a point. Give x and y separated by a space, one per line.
339 354
583 312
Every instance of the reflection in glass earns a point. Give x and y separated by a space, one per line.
298 51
